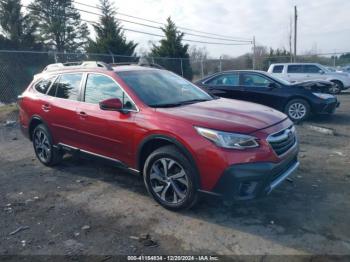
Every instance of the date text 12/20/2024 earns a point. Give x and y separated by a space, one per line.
172 258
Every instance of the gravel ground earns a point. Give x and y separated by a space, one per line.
84 206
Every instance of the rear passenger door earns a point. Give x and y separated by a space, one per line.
295 73
62 108
225 85
106 133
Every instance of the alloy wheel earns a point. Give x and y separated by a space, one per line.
42 146
297 111
169 181
335 89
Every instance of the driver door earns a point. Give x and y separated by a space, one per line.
106 133
262 90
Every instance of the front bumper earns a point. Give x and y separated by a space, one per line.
253 180
328 107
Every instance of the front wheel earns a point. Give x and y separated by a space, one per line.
170 178
297 110
336 88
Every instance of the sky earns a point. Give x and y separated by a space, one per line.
323 24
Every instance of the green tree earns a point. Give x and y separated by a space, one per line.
172 47
59 25
17 28
110 36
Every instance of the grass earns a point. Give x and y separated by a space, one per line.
8 112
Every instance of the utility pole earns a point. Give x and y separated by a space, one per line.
290 38
295 32
254 54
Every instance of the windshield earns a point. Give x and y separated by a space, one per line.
159 88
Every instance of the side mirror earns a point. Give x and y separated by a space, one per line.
272 85
321 72
112 104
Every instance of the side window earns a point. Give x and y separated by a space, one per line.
68 86
277 69
295 69
99 88
312 69
225 80
44 85
255 80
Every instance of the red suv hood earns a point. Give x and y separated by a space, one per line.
227 115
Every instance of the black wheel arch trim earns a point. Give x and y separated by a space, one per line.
35 118
171 140
339 81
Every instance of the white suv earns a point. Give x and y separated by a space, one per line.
298 72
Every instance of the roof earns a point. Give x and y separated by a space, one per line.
100 66
301 63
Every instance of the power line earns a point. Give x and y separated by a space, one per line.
152 34
187 40
223 37
155 27
136 31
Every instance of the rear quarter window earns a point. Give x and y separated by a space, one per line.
43 85
277 69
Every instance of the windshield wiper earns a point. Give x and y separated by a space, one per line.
187 102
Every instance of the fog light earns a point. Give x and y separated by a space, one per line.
247 188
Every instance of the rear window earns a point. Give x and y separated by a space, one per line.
225 80
43 85
294 69
66 86
277 69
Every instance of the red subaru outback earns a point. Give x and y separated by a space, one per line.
180 138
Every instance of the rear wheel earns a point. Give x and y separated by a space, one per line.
170 178
336 88
43 146
298 110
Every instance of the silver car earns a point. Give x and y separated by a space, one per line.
299 72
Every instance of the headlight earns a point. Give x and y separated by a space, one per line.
323 96
228 140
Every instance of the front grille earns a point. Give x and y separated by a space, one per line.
282 141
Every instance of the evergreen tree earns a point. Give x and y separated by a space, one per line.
172 47
110 36
17 28
59 25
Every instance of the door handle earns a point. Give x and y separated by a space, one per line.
46 107
82 114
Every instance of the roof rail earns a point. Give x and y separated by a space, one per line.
95 64
145 64
78 64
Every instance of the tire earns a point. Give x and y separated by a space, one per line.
43 146
297 110
175 189
337 87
